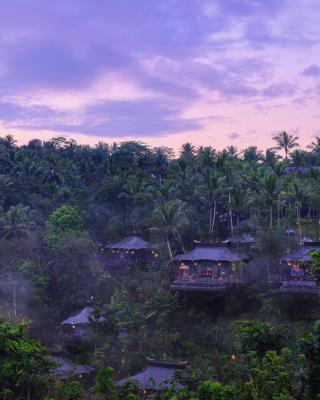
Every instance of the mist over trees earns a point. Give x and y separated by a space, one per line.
61 203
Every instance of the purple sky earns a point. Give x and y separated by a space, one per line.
215 72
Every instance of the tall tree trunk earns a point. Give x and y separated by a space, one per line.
210 220
213 222
179 239
14 295
169 247
270 215
299 221
230 215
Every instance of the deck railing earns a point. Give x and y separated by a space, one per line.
202 285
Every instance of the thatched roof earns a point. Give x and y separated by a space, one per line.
81 318
158 375
306 241
240 239
67 368
131 243
209 253
301 255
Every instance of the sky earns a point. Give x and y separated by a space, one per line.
166 72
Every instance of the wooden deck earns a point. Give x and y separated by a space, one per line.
208 286
300 287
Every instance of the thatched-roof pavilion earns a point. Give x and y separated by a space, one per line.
245 238
157 376
210 253
208 268
81 318
295 274
67 369
133 249
308 242
300 256
74 329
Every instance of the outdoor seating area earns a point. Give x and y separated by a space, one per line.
208 268
294 272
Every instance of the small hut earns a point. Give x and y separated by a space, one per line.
75 328
308 242
133 249
240 242
208 268
295 271
67 369
157 376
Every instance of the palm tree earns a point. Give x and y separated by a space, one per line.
188 152
232 151
270 187
170 218
270 158
16 223
8 142
315 146
300 194
298 158
286 142
209 193
238 202
252 153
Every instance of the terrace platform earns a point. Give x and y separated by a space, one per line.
300 287
209 286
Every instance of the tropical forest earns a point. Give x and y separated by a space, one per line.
131 272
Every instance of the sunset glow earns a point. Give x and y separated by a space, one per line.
209 72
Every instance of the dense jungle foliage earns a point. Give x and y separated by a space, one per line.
60 202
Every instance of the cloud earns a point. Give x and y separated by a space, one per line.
312 70
233 135
110 119
116 68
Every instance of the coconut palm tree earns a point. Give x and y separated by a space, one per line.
209 194
9 142
188 152
271 190
298 158
315 146
16 223
300 193
232 150
170 218
270 158
286 141
252 154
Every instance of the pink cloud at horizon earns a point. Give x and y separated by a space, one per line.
213 73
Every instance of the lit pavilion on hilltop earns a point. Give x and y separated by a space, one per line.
295 274
208 268
74 330
133 249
